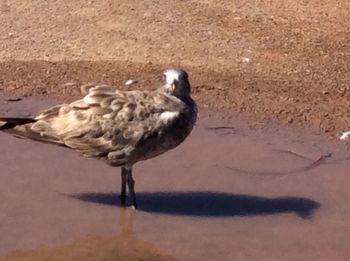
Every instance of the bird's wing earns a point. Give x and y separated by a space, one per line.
108 120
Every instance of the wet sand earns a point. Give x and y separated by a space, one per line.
233 193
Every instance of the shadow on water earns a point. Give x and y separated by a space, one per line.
209 204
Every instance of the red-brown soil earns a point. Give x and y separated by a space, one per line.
286 60
251 192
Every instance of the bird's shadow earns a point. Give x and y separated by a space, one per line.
209 204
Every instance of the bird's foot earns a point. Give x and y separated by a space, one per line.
123 200
134 206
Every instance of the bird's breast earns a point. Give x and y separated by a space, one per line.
169 137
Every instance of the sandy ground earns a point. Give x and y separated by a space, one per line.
246 198
287 60
276 72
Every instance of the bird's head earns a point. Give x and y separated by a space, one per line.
175 82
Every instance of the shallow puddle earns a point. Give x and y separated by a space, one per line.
98 248
237 193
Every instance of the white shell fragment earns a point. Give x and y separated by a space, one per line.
130 82
345 135
246 60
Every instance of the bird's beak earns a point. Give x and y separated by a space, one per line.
172 87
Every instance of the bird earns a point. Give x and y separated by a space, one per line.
119 127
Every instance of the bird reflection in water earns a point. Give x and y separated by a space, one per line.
97 248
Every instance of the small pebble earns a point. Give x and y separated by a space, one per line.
345 135
130 82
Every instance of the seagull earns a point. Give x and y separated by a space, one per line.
120 127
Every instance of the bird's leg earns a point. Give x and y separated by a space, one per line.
131 186
124 174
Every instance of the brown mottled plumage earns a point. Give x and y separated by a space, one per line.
122 127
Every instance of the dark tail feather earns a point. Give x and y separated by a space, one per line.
9 123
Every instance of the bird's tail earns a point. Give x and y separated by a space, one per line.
21 128
9 123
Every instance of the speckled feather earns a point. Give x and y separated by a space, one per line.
122 127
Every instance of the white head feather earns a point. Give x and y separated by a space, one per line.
172 75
